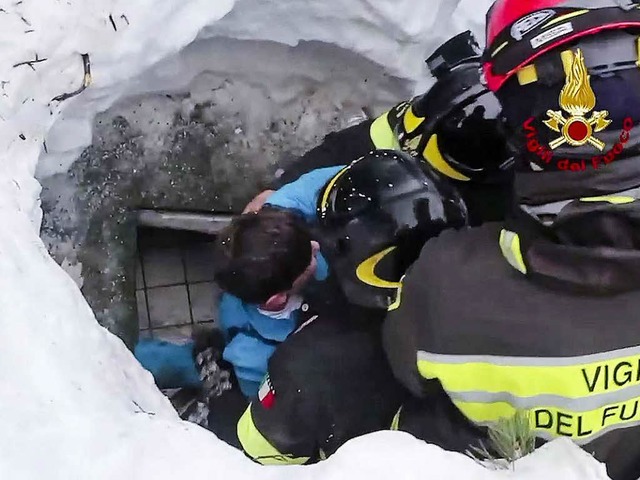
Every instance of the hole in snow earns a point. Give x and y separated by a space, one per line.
202 131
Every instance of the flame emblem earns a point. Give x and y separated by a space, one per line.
577 99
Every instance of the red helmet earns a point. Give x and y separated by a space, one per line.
519 31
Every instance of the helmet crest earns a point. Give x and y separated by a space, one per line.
577 99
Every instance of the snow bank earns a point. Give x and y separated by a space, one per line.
74 404
397 35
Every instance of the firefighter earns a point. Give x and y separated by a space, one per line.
330 381
540 313
453 127
271 267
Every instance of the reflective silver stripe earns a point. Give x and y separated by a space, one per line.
582 404
547 209
527 361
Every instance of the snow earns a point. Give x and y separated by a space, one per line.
396 34
304 85
74 404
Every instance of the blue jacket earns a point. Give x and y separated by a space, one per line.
253 334
302 195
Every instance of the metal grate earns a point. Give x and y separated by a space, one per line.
174 283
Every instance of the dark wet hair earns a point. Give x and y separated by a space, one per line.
261 254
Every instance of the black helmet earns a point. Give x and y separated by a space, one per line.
455 126
375 216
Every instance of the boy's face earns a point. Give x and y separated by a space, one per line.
310 271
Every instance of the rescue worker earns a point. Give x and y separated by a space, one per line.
330 382
453 127
389 202
540 313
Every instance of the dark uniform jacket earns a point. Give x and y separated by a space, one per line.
327 384
496 341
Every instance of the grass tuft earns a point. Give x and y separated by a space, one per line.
509 440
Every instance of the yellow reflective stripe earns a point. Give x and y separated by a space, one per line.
571 377
499 49
582 397
510 246
395 424
613 199
485 413
527 75
382 134
411 121
551 422
562 18
327 190
395 305
638 50
258 447
434 157
366 271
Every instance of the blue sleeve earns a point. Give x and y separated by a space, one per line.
171 365
249 357
302 195
232 313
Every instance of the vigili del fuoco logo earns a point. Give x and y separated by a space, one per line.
577 99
